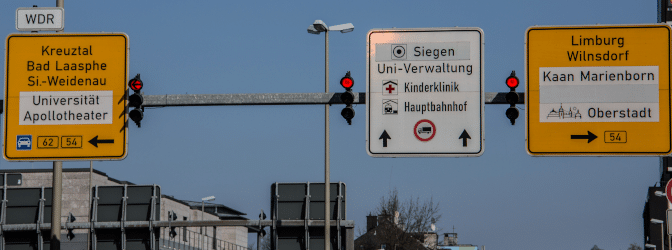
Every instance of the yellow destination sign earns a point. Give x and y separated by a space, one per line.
65 97
598 90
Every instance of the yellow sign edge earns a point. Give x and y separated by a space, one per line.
5 103
596 26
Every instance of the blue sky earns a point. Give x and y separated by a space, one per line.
504 199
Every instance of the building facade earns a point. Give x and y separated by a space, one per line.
77 191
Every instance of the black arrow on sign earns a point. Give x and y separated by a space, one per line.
384 137
464 136
95 141
590 136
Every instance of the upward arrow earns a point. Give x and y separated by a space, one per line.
384 137
464 138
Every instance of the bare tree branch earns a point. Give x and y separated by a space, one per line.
634 246
414 215
401 225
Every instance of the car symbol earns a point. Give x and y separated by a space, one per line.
23 141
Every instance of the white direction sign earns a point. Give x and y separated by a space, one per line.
36 19
424 92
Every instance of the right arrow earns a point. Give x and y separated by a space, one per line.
384 137
590 136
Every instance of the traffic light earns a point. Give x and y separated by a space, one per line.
135 100
348 98
512 97
172 217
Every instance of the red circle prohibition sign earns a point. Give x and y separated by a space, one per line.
415 130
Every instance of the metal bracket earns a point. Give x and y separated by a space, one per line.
306 237
94 218
3 213
338 215
274 218
40 211
40 219
151 219
123 217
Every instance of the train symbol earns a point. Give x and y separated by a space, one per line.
390 107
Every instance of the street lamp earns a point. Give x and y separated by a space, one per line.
650 246
660 194
203 200
662 238
319 26
316 28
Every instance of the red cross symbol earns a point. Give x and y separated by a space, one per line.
389 88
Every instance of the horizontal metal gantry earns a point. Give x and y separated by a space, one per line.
274 99
203 223
278 99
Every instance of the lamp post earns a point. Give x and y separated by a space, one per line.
204 233
316 28
662 237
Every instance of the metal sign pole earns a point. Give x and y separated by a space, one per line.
326 143
55 243
56 206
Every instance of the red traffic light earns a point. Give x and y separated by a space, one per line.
135 84
347 81
512 81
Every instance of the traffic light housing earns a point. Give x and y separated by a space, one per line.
348 98
135 100
512 97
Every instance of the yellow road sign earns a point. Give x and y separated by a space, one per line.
598 90
65 97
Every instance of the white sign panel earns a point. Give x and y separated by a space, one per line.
65 107
598 94
425 92
36 19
